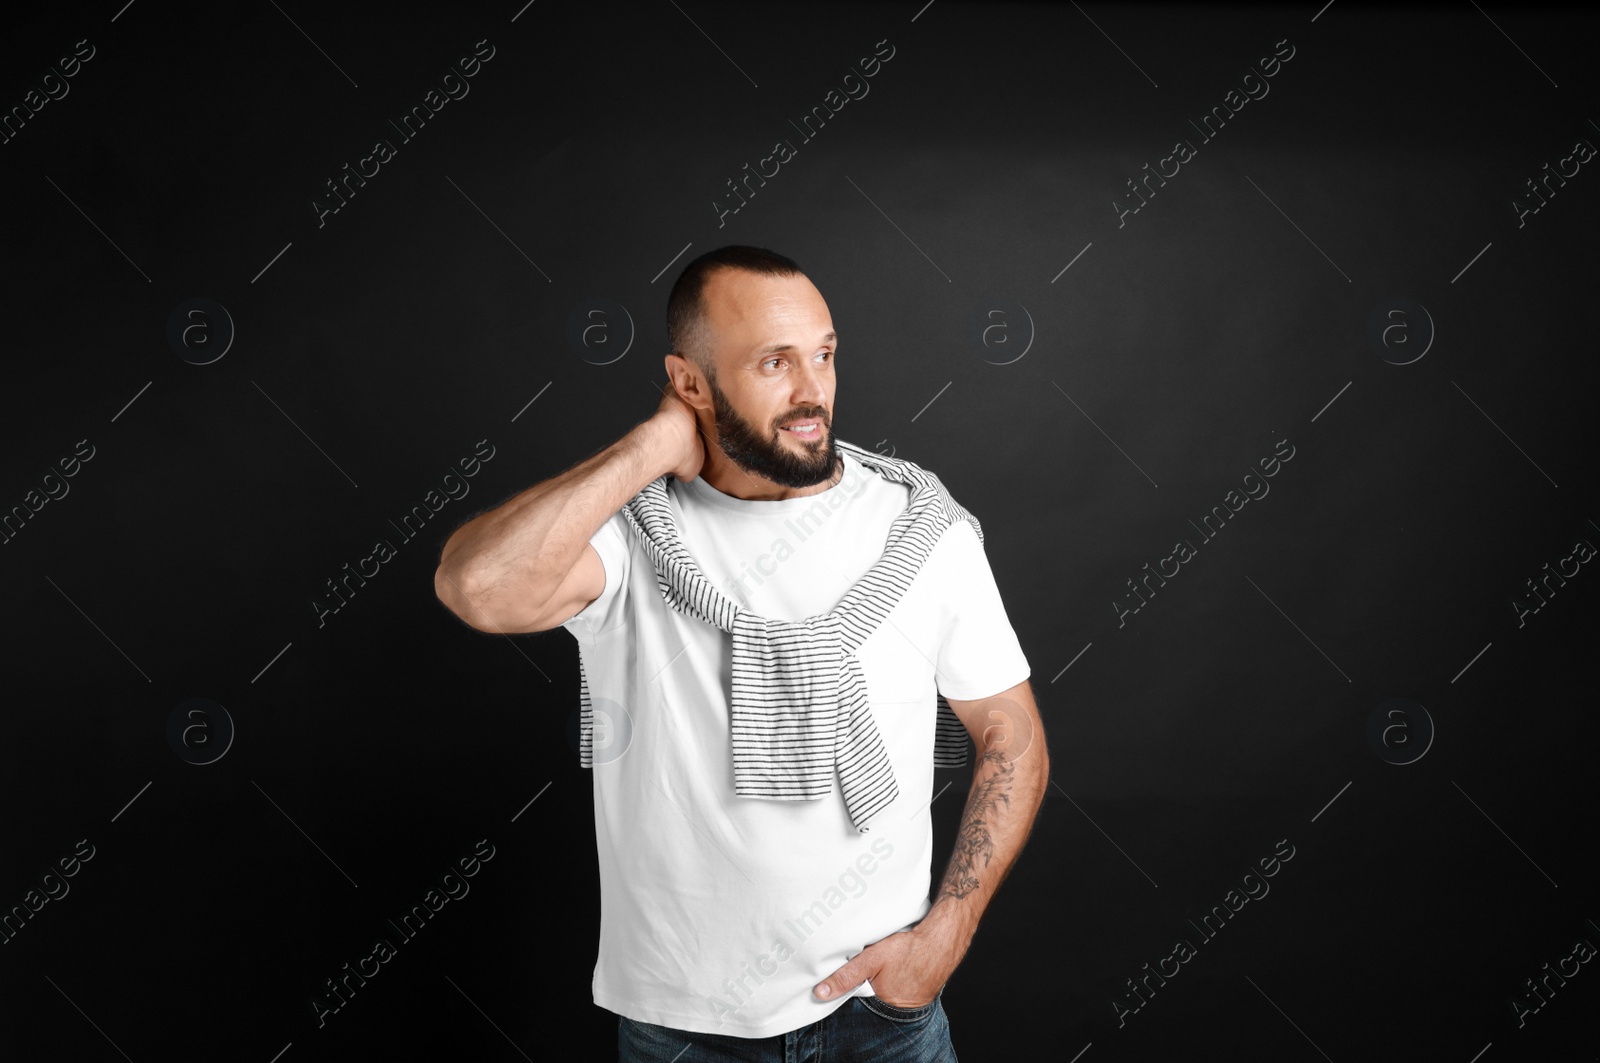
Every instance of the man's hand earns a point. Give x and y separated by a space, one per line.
907 969
682 430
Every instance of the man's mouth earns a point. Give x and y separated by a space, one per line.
807 429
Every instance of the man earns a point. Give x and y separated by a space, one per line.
762 772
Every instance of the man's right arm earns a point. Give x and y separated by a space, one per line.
527 564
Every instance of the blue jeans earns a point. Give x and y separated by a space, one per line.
862 1028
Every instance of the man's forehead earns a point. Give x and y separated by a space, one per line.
741 301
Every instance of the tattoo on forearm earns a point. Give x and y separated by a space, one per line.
975 841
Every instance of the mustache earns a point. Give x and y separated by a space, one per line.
820 415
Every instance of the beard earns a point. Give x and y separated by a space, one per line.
764 453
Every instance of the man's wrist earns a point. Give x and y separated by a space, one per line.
648 441
949 924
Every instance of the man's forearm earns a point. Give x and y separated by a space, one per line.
1001 806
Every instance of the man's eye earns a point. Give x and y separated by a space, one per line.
774 361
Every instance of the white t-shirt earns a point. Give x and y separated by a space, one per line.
719 913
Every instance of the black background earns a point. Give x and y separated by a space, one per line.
372 352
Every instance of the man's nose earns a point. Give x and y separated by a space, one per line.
808 387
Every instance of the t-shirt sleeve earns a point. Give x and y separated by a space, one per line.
614 545
979 655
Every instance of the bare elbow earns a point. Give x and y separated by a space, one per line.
480 608
1038 748
458 594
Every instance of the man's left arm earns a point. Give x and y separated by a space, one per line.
907 969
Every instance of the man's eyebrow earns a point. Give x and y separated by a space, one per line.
774 348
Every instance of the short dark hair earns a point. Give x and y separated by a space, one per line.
686 306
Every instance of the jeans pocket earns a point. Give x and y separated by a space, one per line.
884 1009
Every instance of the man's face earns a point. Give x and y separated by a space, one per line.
774 346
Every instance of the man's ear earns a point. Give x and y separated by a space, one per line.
689 382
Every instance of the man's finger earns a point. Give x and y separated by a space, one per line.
860 968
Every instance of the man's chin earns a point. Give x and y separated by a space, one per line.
808 475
